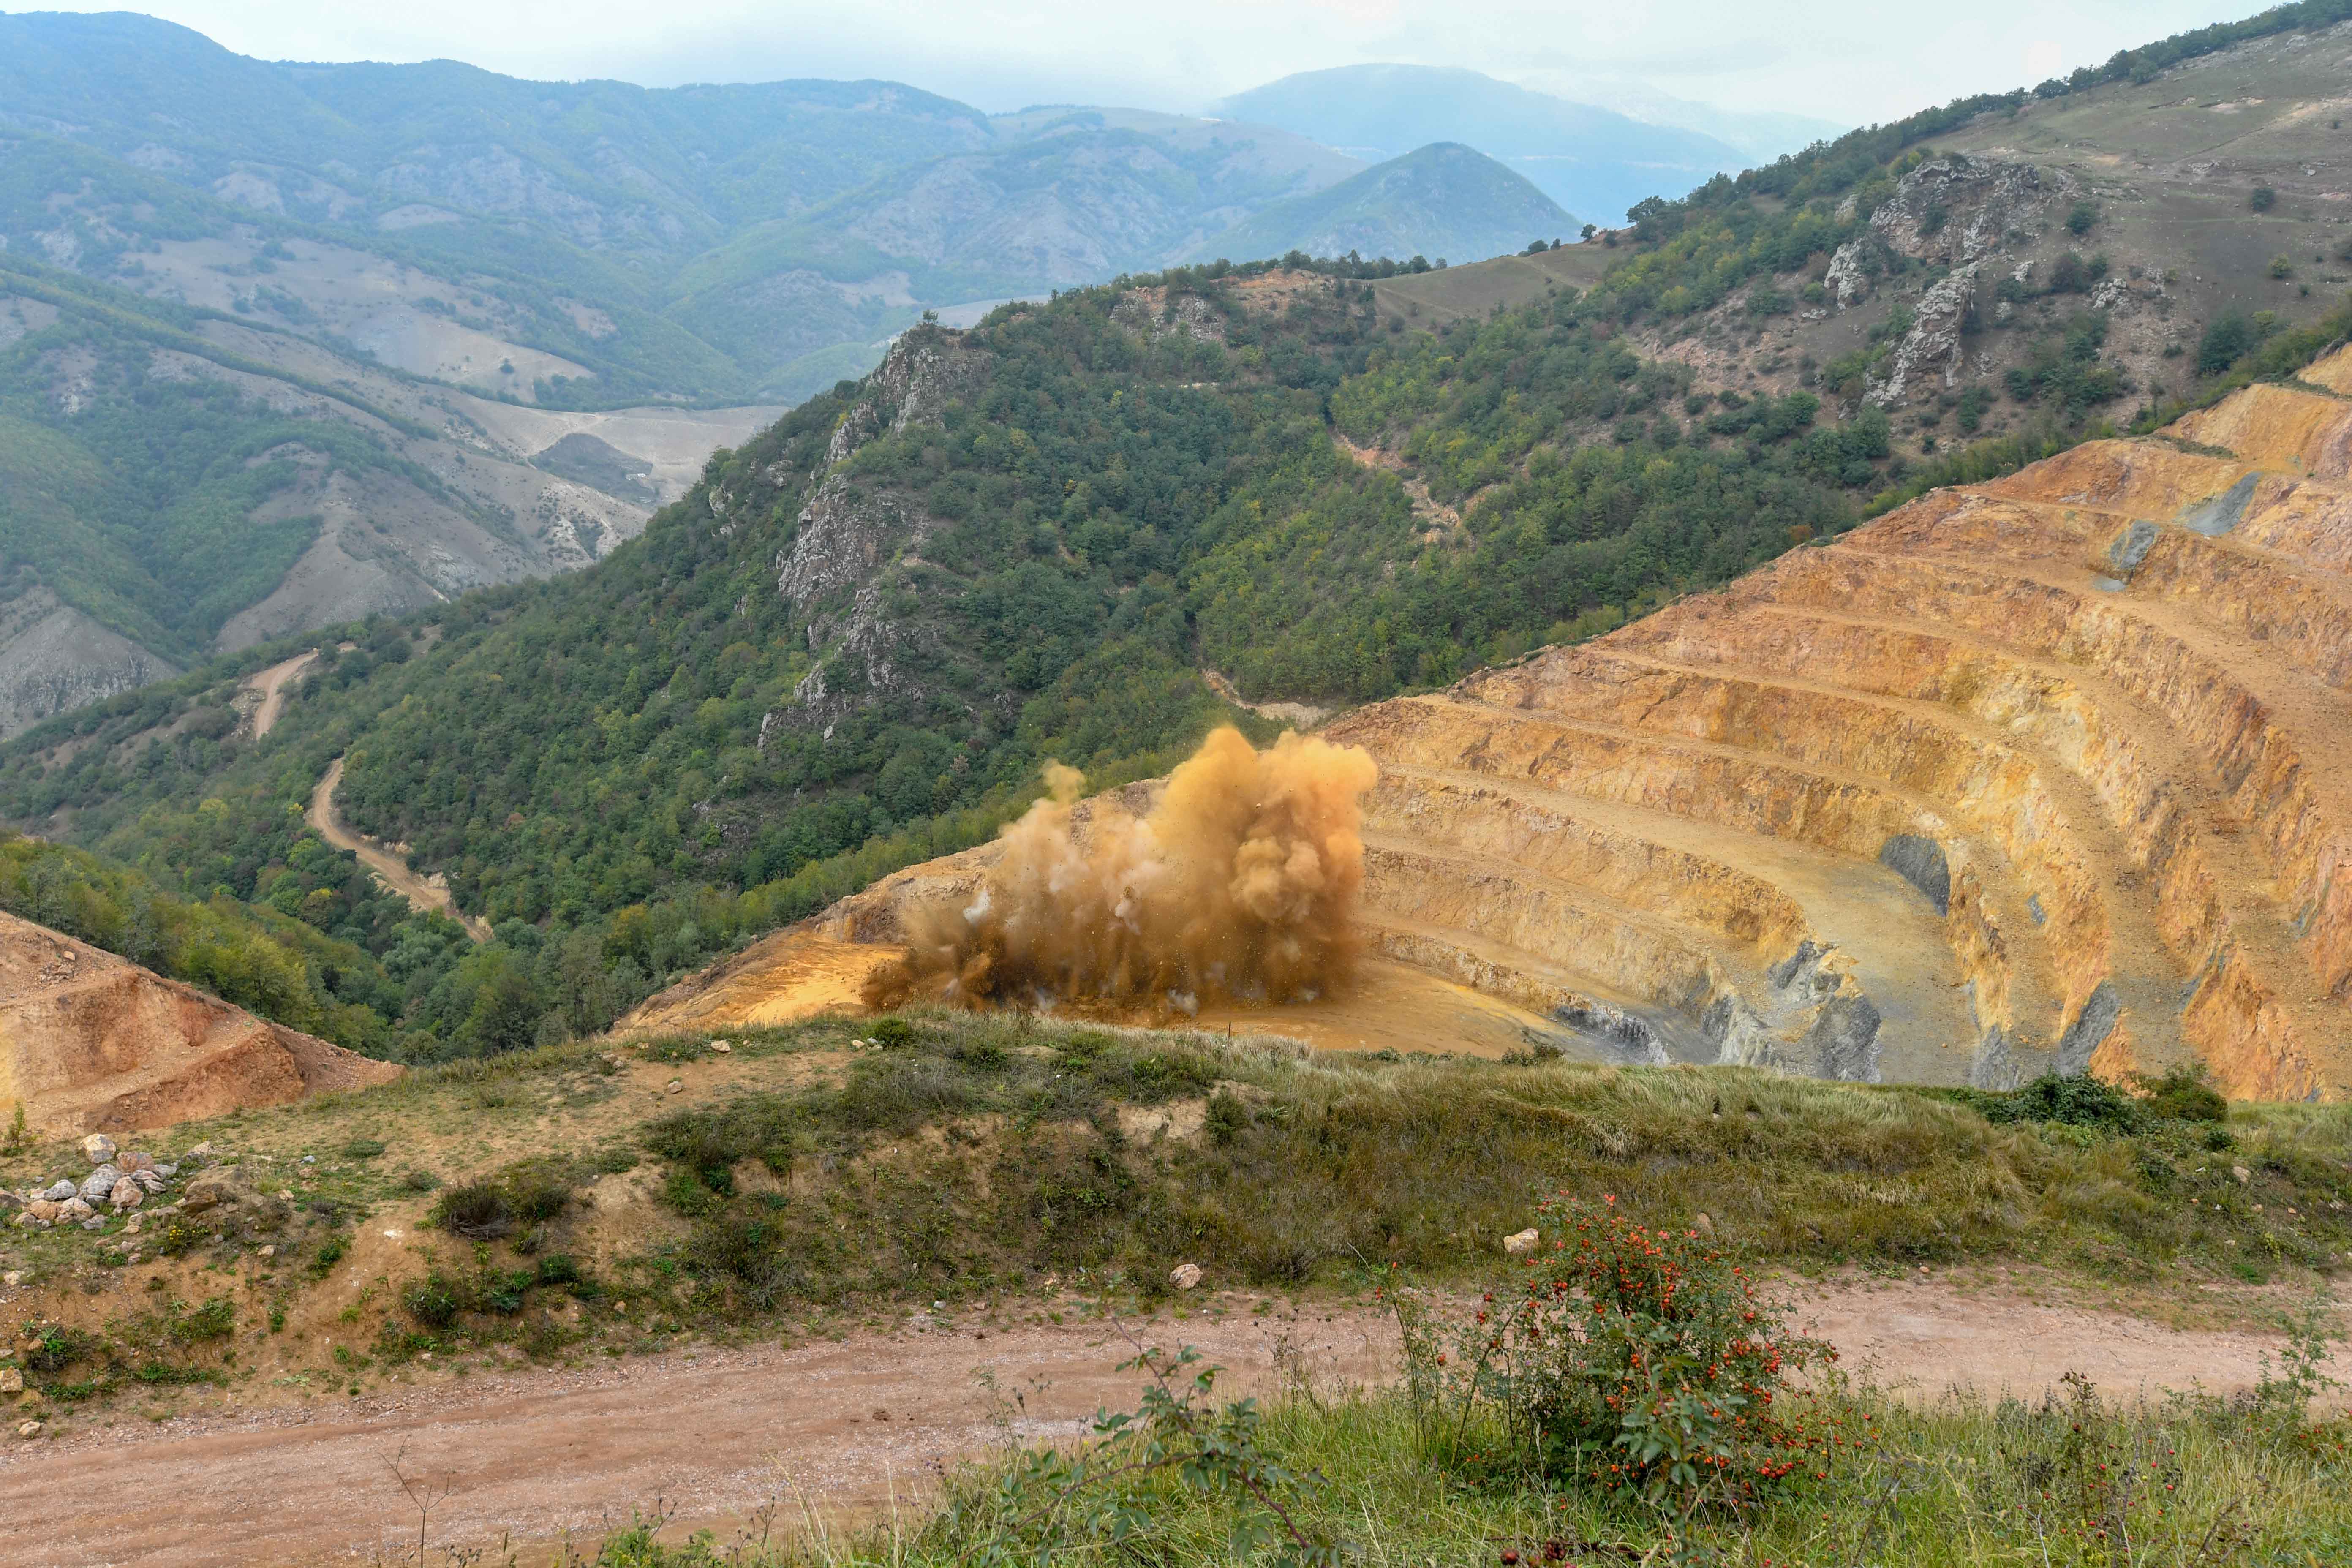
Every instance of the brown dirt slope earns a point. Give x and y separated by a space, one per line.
2041 773
89 1042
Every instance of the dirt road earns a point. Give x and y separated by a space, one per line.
394 872
844 1425
267 689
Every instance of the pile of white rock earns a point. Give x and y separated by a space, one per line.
120 1181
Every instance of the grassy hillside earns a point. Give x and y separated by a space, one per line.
813 1176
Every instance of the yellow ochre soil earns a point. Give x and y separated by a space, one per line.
2041 773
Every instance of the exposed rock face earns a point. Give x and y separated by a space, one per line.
53 658
842 538
1951 212
2040 774
1149 314
1933 344
90 1040
926 370
1957 212
849 539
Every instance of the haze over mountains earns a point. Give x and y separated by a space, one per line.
1593 162
417 329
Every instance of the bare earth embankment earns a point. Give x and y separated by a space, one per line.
861 1421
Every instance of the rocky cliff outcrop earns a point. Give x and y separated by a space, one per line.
93 1042
2047 773
1957 213
851 543
1950 212
53 658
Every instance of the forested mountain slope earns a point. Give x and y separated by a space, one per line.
855 640
176 481
284 346
594 244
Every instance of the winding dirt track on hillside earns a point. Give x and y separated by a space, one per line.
856 1424
268 689
394 872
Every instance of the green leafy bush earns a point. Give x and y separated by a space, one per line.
561 1268
2182 1093
434 1301
55 1347
216 1319
1177 1448
2076 1099
178 1237
691 1192
2226 337
330 1252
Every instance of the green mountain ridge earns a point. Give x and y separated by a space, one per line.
855 640
1411 206
1590 161
404 262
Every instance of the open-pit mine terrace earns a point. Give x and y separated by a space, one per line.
2048 771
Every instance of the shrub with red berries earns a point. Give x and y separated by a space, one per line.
1637 1356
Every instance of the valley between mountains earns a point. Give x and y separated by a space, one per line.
701 785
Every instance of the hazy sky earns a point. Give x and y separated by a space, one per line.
1850 60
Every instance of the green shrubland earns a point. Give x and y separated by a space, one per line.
989 1153
1630 1392
613 767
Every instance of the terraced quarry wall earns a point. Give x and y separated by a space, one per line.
2050 772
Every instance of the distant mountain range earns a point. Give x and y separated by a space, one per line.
1759 136
716 243
285 344
1591 161
1445 196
